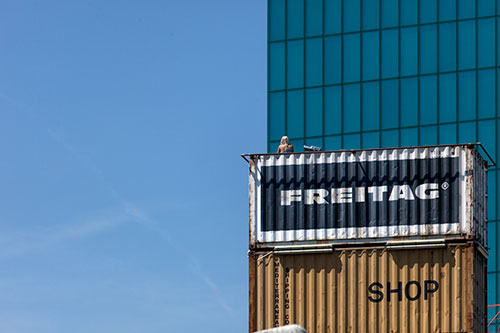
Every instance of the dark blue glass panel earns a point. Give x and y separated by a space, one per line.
466 96
492 285
352 108
466 9
318 142
352 141
276 19
390 116
371 106
428 100
448 134
390 51
314 112
409 102
276 115
409 11
485 8
448 97
295 64
409 137
333 16
492 258
371 55
332 60
352 58
486 135
428 49
276 66
314 18
295 114
467 132
352 15
314 62
298 144
447 47
390 138
333 142
295 18
428 135
492 198
428 11
333 110
466 45
447 10
371 14
498 41
486 93
486 42
390 11
370 139
409 51
272 147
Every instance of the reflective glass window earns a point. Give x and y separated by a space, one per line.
370 106
332 16
352 58
314 62
498 39
466 9
371 14
428 100
409 51
448 134
295 18
466 96
409 102
485 8
276 66
492 257
447 47
298 144
467 132
272 146
492 284
314 17
333 109
492 200
428 49
352 141
314 112
352 108
447 10
428 135
371 55
333 142
295 64
428 11
486 42
466 44
390 138
486 135
390 52
409 11
277 20
370 140
352 15
389 92
318 142
389 13
448 97
276 115
332 60
295 114
486 93
409 137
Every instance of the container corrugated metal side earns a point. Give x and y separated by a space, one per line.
363 195
371 290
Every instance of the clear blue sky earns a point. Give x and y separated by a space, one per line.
124 201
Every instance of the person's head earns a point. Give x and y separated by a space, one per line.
285 141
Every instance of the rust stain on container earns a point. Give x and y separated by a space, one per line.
371 290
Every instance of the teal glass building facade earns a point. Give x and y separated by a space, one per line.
384 73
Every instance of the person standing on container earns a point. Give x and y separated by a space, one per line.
285 146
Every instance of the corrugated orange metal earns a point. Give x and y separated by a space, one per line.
371 290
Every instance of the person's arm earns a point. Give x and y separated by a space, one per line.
291 148
279 149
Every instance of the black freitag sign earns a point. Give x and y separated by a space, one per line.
360 194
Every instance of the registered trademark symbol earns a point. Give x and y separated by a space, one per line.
445 186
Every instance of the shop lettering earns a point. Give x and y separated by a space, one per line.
412 291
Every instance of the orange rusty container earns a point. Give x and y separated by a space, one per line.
371 290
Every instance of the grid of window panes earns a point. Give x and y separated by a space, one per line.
383 73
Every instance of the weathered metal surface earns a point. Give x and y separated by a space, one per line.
371 290
368 194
